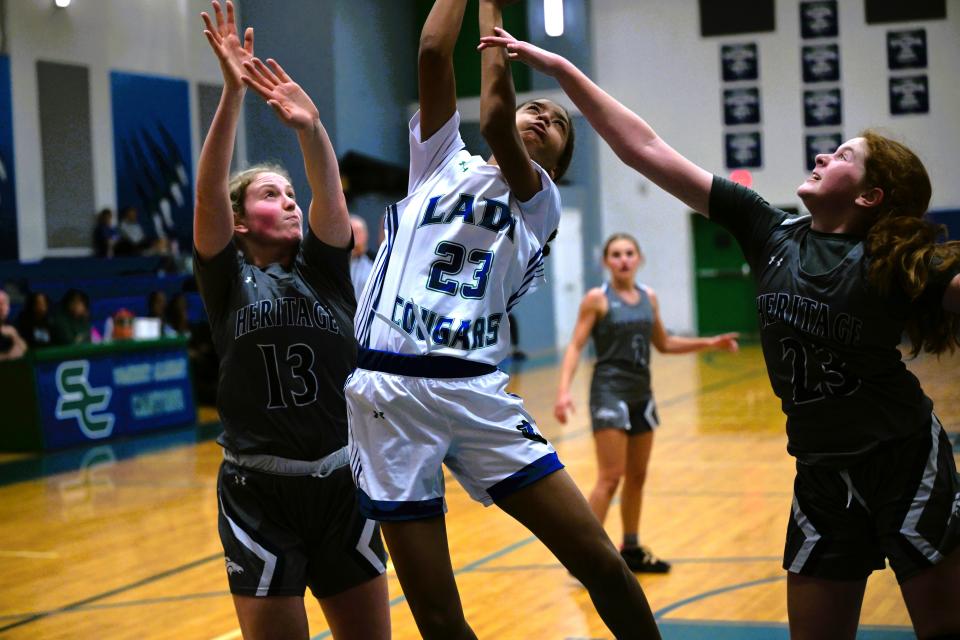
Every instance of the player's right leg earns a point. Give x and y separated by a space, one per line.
422 559
359 613
265 562
397 445
277 617
557 513
611 450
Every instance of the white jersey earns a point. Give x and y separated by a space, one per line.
460 252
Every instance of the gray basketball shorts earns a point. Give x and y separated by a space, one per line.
613 411
281 534
900 502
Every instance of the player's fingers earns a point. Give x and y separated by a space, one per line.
500 31
257 86
278 70
218 13
231 17
212 39
265 72
207 22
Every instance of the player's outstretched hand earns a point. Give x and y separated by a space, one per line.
726 342
563 407
540 59
225 42
290 102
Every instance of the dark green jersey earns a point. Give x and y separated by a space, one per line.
622 341
829 339
286 346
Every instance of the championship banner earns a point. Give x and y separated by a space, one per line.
909 94
907 49
818 19
739 62
821 63
95 398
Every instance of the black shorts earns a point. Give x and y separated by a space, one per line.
611 411
283 533
902 503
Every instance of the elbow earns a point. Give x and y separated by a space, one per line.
494 126
432 52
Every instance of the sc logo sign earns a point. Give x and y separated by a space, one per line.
81 401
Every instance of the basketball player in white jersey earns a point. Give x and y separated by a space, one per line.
461 249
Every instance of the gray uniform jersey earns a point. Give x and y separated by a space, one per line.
829 339
286 346
622 341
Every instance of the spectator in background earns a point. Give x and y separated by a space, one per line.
133 239
105 234
11 344
33 323
360 263
156 305
71 324
176 319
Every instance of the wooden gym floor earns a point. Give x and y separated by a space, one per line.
120 540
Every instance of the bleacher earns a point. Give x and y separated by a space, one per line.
110 284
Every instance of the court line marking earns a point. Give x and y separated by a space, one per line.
471 566
557 565
134 603
713 592
38 555
81 603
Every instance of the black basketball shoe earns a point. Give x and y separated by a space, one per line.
642 560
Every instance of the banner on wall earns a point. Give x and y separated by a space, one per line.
151 142
741 106
9 249
907 49
739 62
99 398
909 94
743 150
821 63
818 19
821 143
822 107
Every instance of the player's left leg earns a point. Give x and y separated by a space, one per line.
932 596
361 612
823 609
554 510
637 556
421 557
635 476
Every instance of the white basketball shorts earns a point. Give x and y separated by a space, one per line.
411 414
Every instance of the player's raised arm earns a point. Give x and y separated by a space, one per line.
213 217
498 105
630 137
329 218
437 85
